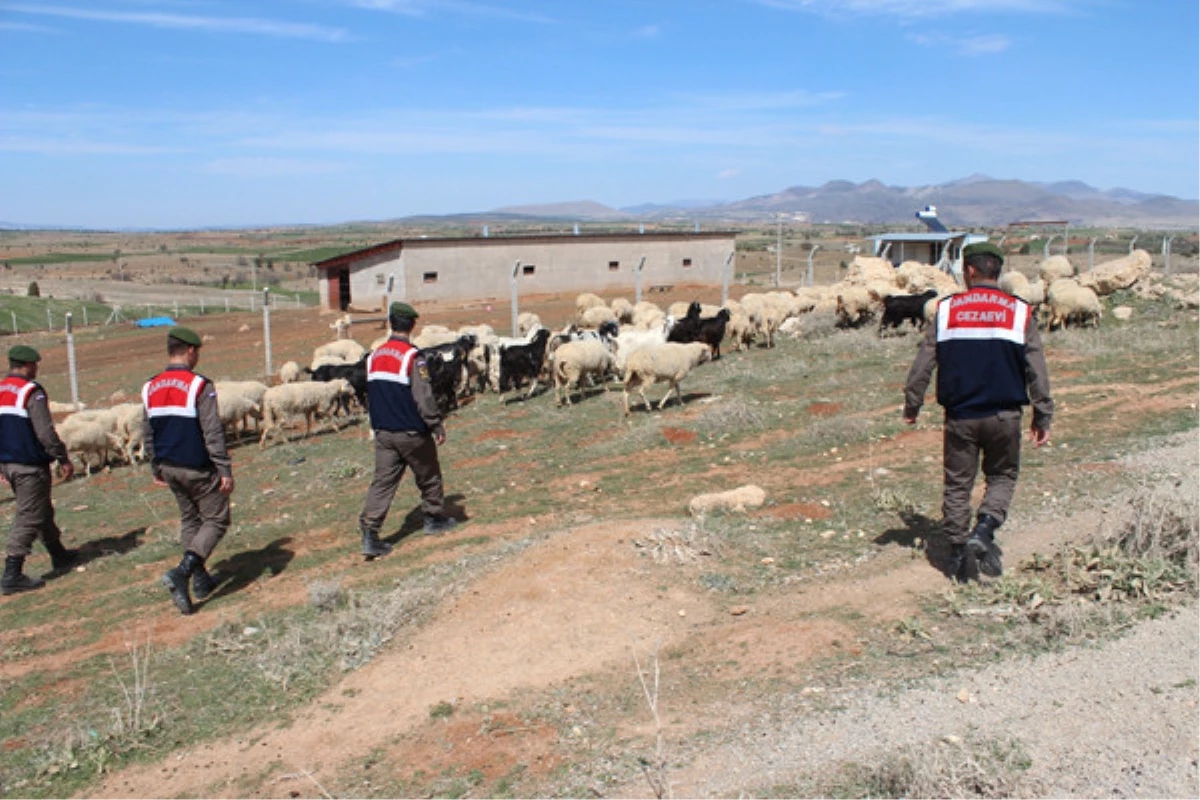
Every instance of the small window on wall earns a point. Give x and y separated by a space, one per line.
527 269
613 266
380 280
429 277
687 262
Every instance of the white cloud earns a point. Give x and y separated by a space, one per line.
726 174
246 25
646 32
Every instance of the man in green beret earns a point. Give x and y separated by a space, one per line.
408 430
29 444
187 454
988 354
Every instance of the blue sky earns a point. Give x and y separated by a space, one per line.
196 113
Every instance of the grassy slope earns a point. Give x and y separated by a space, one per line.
832 399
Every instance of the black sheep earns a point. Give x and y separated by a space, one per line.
900 307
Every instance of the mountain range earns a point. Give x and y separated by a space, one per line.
975 201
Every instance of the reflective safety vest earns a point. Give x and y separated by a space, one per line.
981 353
389 388
18 441
170 402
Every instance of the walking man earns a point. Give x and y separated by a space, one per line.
28 446
988 354
408 429
188 455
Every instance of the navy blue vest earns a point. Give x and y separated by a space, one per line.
981 353
18 442
170 401
389 388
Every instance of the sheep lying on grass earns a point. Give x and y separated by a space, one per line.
280 403
669 362
574 360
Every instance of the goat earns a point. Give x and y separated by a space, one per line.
901 307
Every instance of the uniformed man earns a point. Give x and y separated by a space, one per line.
408 429
28 446
990 363
188 455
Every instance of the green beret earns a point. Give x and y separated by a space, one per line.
983 249
184 335
24 353
402 310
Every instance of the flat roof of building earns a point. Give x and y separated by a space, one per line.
494 241
929 236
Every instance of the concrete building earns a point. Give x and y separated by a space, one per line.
936 246
478 268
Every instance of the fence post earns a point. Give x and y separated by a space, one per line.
49 319
637 273
202 306
176 309
85 321
71 362
267 327
226 305
811 253
14 316
516 266
725 278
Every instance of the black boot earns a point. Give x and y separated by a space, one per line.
15 580
176 581
62 559
436 524
982 544
203 584
374 547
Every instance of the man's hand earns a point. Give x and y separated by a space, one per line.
226 486
439 436
66 469
1039 436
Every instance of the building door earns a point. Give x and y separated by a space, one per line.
343 286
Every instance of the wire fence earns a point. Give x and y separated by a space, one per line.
32 314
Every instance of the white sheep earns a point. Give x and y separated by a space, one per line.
293 399
290 372
346 349
1055 267
596 316
439 335
1016 284
65 408
325 359
341 327
1069 303
87 433
623 309
647 316
130 431
527 321
573 360
240 401
630 341
854 305
670 361
868 269
587 300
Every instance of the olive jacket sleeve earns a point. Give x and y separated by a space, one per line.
1037 378
208 414
43 427
920 373
422 392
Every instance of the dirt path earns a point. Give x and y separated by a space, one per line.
1120 720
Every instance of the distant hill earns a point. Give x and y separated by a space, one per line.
974 201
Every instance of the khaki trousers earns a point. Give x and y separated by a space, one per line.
34 513
395 450
203 509
997 439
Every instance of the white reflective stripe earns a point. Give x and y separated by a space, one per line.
982 334
197 383
19 410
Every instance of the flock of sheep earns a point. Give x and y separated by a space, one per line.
639 345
